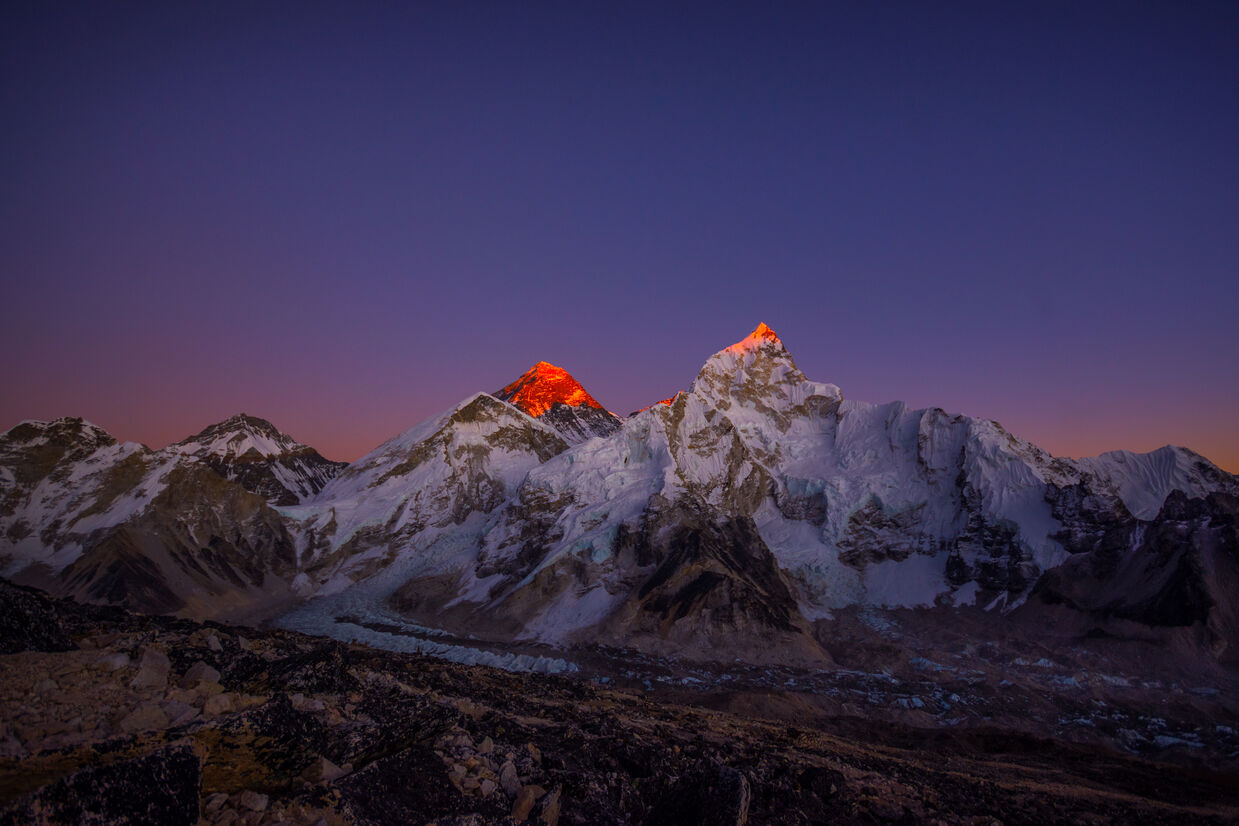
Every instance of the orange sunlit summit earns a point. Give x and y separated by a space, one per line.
544 384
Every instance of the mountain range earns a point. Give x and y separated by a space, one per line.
737 520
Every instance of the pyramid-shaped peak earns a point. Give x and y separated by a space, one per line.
245 420
240 423
763 331
237 435
761 336
758 359
542 386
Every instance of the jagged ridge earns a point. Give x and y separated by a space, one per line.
262 459
494 522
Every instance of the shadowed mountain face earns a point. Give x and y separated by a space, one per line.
736 520
252 452
159 531
1176 572
204 547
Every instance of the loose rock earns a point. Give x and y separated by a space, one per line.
550 809
113 661
323 770
509 780
217 704
254 801
524 801
199 672
153 669
146 717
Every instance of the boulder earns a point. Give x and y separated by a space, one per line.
146 717
252 800
113 660
29 621
323 770
525 799
199 672
509 780
217 704
153 669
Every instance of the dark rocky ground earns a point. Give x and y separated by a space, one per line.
110 717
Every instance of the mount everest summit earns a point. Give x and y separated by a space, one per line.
735 520
550 393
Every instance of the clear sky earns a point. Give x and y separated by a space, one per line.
345 217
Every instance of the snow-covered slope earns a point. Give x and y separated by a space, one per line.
62 483
731 520
551 394
849 503
431 481
157 530
252 452
1144 480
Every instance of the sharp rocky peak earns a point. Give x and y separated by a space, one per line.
238 434
244 421
542 386
762 336
759 357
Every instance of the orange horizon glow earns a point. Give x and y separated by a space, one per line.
350 437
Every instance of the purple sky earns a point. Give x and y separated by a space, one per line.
345 221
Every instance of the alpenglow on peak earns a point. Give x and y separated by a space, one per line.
544 385
760 336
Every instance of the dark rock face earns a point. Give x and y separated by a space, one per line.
258 474
806 506
1179 570
1091 524
159 789
201 537
29 621
581 423
724 570
874 535
287 475
707 796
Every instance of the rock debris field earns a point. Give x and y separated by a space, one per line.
110 717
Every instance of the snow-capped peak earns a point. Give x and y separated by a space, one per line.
263 460
238 435
761 336
74 426
542 386
756 364
68 433
763 344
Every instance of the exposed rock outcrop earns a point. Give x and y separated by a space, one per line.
256 455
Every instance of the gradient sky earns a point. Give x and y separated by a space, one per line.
345 217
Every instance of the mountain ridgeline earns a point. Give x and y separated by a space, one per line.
735 520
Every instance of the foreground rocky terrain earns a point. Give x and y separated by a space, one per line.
111 717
